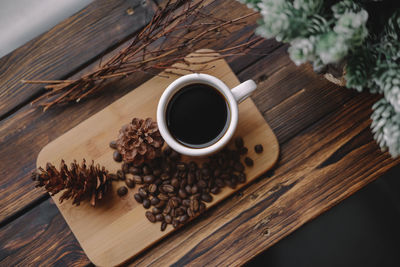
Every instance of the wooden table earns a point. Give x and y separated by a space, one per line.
327 150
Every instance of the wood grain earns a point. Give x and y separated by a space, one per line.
122 223
23 134
40 238
67 47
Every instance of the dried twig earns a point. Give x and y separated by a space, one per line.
174 31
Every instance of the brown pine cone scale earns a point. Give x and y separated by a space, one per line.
140 141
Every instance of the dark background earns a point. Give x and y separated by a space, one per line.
363 230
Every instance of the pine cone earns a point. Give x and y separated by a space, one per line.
140 141
81 182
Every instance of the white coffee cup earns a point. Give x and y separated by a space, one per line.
233 98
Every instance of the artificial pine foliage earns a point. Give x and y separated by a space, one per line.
362 35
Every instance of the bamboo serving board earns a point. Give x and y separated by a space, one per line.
117 229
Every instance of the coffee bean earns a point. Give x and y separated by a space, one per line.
202 207
167 209
125 167
175 223
202 184
175 156
130 183
164 176
117 156
152 189
163 226
194 189
239 167
194 205
242 178
219 182
159 217
205 172
158 181
217 172
175 182
113 176
146 170
182 193
157 172
198 174
225 176
113 144
156 210
154 201
166 168
232 163
188 189
191 178
183 175
138 179
206 197
195 196
167 188
180 211
135 171
160 205
243 151
249 162
143 192
183 218
230 184
192 166
148 179
215 190
122 191
150 216
163 197
183 183
181 166
190 212
166 182
121 175
173 202
146 203
138 198
168 218
258 148
239 142
167 151
172 212
186 202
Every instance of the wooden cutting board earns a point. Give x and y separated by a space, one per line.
116 229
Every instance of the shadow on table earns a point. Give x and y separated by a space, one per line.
363 230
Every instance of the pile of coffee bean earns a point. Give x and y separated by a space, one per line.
177 191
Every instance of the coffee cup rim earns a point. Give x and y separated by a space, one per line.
170 92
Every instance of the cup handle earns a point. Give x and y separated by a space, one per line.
243 90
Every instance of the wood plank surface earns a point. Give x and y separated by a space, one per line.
40 238
27 131
261 208
67 47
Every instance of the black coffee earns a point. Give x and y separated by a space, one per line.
197 115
